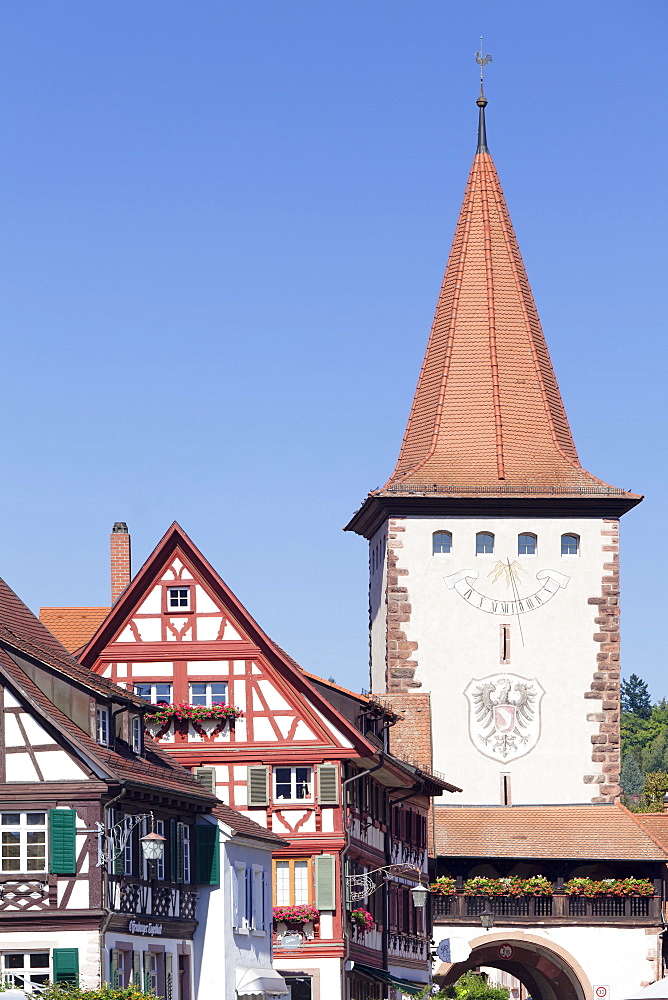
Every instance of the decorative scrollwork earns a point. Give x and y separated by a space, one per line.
365 885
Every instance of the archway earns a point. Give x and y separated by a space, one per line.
546 970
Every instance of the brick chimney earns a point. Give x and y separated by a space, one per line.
120 559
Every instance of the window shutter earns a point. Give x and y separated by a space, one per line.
115 954
208 854
66 965
325 888
207 777
328 785
62 842
258 899
258 785
173 852
169 975
136 968
180 852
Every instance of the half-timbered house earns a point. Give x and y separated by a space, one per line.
81 790
235 709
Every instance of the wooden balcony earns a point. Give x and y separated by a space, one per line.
559 908
164 900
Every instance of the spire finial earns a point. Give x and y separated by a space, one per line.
482 61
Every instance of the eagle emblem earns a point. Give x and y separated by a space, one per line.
504 715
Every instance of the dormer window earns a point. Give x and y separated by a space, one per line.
441 543
484 543
102 726
178 598
135 733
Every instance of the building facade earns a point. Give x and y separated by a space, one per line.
304 759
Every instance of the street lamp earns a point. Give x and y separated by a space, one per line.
112 842
419 894
487 918
152 845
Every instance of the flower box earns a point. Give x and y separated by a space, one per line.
609 887
164 714
295 916
537 885
445 885
362 918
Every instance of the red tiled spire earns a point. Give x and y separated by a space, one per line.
487 411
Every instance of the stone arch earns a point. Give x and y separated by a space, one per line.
547 970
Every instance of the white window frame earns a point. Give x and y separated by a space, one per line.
181 608
186 852
208 693
151 970
153 685
118 969
136 733
569 555
102 725
440 552
293 784
485 534
9 975
23 830
534 537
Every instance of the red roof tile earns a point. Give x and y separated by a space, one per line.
487 411
607 831
73 627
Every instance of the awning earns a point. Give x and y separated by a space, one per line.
381 976
260 981
657 991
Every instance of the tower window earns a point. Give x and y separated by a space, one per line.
505 644
570 545
441 542
506 797
526 545
484 543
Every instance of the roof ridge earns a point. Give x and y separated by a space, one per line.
638 822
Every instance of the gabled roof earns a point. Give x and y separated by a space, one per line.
247 827
176 542
606 831
22 632
24 638
487 417
73 627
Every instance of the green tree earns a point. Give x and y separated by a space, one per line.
654 756
656 786
632 779
470 986
635 697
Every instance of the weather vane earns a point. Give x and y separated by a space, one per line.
482 61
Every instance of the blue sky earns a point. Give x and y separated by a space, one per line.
224 227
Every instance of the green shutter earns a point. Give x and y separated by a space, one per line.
65 964
62 842
258 785
328 785
207 854
325 887
180 852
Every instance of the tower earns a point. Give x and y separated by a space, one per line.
493 554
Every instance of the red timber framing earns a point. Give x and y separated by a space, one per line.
284 760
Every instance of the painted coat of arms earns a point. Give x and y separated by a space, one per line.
504 715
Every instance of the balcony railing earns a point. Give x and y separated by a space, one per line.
580 909
401 945
163 900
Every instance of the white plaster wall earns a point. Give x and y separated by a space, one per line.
218 949
87 942
617 957
457 642
377 585
329 969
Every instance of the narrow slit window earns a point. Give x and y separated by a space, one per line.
570 545
526 544
506 797
505 644
484 543
441 543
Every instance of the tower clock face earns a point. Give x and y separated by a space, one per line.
504 589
